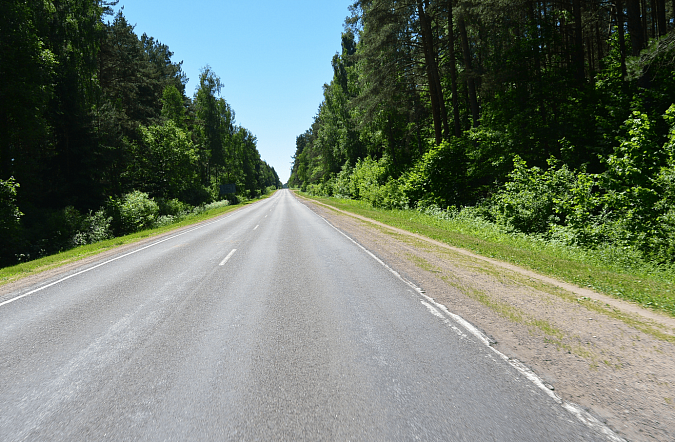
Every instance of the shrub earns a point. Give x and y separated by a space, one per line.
367 177
93 228
9 211
9 221
173 207
196 196
343 186
166 220
217 204
438 178
133 212
530 201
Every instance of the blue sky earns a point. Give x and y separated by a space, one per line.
273 58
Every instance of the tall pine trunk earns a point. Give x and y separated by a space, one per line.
635 26
661 17
470 81
453 72
435 89
578 50
620 20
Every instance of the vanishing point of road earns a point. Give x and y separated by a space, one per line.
264 324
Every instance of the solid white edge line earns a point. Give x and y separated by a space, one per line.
581 414
39 289
227 258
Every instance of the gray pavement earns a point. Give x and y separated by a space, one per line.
266 324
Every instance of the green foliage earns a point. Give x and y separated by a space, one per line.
439 177
133 212
173 207
165 161
629 205
197 195
94 227
9 219
9 211
531 201
173 106
90 111
367 180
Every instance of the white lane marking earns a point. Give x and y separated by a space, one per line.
446 321
433 310
229 255
39 289
581 414
256 227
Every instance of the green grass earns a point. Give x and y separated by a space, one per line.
14 273
613 272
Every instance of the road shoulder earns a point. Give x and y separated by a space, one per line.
609 356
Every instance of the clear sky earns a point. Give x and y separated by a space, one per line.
273 58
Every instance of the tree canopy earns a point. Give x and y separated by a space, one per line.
90 112
479 104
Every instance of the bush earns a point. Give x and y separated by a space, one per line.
196 196
367 177
438 178
9 211
532 200
133 212
343 186
9 221
173 207
166 220
368 180
217 204
93 228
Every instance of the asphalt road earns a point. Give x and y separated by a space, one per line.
266 324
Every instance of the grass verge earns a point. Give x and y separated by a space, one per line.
603 270
16 272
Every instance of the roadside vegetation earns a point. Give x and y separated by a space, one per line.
614 271
99 137
139 214
513 128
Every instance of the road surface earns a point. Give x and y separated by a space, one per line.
265 324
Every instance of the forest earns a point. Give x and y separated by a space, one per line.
98 136
546 118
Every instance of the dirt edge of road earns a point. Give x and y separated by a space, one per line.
613 358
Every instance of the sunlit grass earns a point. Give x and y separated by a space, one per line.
609 271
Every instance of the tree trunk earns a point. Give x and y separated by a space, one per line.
432 66
635 26
470 82
661 13
622 36
430 59
645 29
578 51
453 72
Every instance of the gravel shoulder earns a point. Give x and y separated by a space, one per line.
612 357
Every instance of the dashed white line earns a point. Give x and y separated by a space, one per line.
39 289
229 255
256 227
